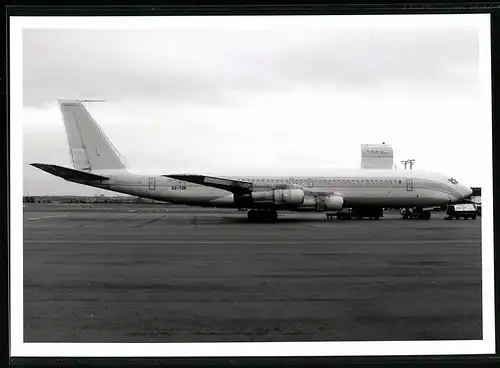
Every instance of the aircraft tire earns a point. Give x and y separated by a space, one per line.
252 215
426 215
268 215
262 215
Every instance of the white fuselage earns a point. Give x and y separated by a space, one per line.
358 187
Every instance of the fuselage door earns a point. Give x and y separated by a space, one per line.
409 185
151 183
310 182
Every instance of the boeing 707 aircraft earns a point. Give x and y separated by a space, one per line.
96 163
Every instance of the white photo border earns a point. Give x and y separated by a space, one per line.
244 349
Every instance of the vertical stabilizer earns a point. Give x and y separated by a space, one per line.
89 147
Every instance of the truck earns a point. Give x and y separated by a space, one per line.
457 211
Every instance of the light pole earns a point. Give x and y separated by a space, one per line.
410 162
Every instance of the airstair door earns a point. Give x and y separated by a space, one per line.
409 185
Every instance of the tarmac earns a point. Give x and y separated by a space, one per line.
148 273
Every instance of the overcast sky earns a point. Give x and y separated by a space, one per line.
250 101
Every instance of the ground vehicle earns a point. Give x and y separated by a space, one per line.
467 210
415 213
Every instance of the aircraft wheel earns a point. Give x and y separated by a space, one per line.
252 215
273 215
426 215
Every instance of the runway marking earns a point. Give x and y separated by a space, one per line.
44 217
248 241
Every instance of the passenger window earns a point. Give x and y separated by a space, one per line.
390 181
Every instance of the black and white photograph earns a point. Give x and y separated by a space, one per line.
251 185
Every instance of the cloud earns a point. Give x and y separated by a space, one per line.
219 67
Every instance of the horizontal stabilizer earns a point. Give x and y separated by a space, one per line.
69 174
232 185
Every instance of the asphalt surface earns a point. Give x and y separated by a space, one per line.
117 273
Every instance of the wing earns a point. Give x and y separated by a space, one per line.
67 173
231 185
240 186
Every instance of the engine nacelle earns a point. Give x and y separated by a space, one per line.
280 197
334 202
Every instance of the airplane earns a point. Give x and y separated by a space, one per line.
97 163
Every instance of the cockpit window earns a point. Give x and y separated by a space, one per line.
453 180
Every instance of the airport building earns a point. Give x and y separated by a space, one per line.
377 156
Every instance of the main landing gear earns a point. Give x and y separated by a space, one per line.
262 215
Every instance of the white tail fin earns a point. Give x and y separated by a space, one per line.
89 147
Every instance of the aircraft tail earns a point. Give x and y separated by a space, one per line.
89 147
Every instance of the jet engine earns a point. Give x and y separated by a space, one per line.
320 203
280 197
334 202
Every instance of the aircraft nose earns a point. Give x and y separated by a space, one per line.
466 192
